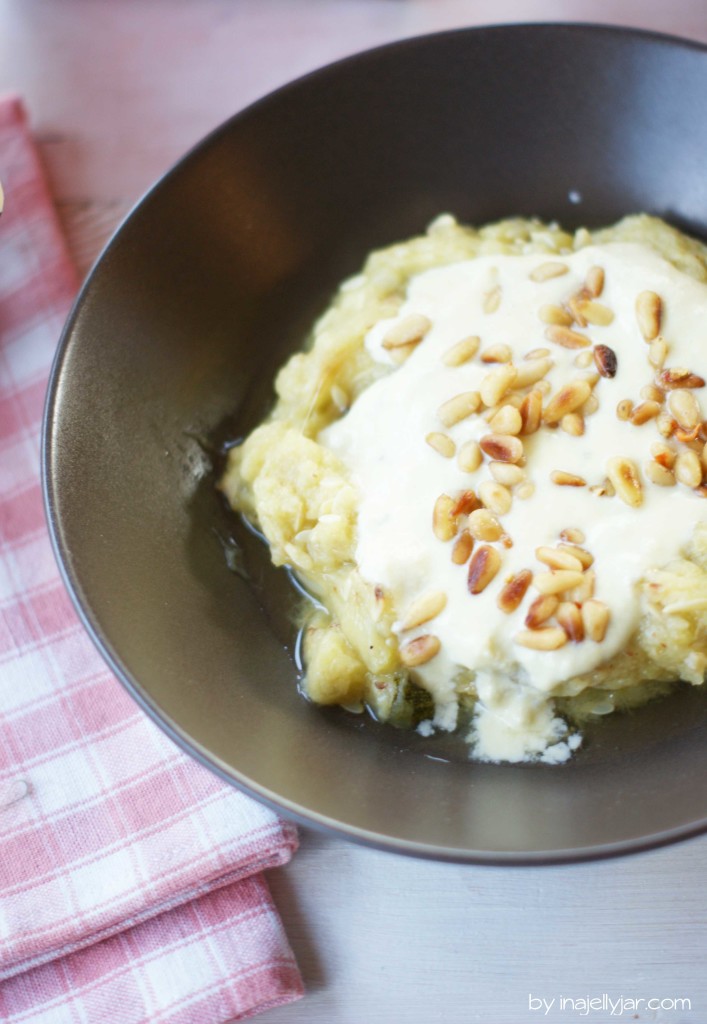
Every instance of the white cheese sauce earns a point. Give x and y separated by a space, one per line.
399 476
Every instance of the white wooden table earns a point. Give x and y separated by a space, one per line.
118 90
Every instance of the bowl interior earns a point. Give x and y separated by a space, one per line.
171 349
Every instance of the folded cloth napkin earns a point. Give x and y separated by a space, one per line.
130 885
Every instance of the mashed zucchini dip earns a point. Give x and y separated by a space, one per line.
488 469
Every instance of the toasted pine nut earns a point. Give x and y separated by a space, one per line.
591 405
556 315
574 307
514 591
556 581
531 370
651 392
556 558
483 567
624 409
649 312
585 590
689 436
401 353
684 408
595 313
462 351
584 358
466 503
584 557
408 331
442 443
573 535
491 300
666 425
444 524
658 353
595 281
645 411
688 469
605 360
469 457
542 609
427 606
623 474
546 271
506 473
547 638
563 479
495 384
506 421
659 475
483 525
679 377
663 454
566 337
605 488
531 412
502 447
496 354
573 424
596 619
462 548
570 618
458 408
420 650
511 398
570 397
537 353
495 497
525 490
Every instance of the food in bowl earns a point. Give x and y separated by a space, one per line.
487 468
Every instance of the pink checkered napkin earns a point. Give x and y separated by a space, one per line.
129 875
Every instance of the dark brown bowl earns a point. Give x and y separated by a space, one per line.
170 350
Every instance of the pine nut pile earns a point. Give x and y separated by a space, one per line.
515 401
